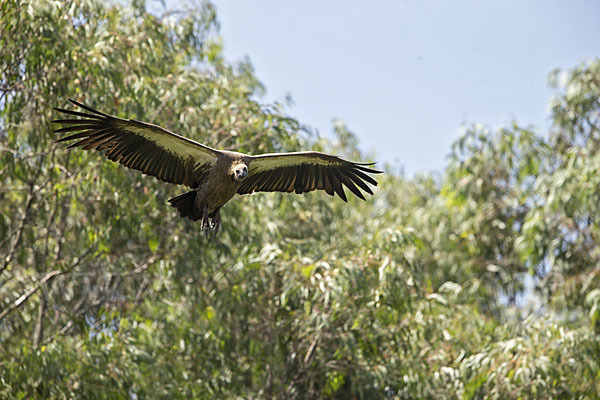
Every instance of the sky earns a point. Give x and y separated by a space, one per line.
405 76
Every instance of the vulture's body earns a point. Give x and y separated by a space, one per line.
214 175
212 193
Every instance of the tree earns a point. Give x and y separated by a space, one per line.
420 292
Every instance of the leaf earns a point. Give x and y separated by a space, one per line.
153 244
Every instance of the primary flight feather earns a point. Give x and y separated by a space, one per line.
214 175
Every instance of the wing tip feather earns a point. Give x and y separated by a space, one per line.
88 108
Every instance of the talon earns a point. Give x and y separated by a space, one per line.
217 221
205 223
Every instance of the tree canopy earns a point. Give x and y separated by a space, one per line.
480 281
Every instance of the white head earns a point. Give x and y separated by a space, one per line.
240 172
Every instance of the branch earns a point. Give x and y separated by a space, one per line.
63 330
311 349
29 293
165 99
38 332
17 238
30 196
42 282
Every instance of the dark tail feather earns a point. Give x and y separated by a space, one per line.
185 204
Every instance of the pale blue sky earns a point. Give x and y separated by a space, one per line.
405 75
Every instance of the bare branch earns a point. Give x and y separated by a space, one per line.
38 333
28 202
17 238
29 293
62 331
42 282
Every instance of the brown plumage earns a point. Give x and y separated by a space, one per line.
215 175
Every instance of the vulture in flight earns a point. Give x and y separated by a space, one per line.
214 176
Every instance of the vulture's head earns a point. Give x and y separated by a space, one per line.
240 172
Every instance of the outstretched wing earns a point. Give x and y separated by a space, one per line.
307 171
144 147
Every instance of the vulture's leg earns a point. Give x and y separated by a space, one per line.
216 220
205 223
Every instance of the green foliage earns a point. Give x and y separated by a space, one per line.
420 292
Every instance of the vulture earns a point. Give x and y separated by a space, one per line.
214 176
